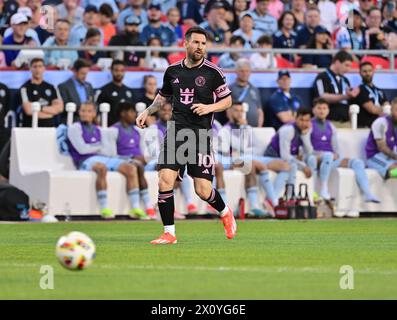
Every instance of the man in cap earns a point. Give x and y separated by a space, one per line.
283 104
156 29
27 12
19 24
129 37
134 8
90 20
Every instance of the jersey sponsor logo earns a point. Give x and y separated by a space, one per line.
186 95
200 81
176 81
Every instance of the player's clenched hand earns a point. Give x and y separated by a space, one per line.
140 121
201 109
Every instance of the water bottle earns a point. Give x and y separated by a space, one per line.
67 212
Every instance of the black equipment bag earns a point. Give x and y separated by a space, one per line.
304 209
287 204
14 203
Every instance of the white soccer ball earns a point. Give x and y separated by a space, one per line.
75 251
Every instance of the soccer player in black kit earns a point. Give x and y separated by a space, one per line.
197 89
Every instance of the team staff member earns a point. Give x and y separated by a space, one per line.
334 87
370 99
38 90
115 91
282 104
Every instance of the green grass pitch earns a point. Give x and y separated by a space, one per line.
267 260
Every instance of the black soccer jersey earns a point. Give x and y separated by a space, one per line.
114 94
368 93
204 84
4 103
329 82
44 93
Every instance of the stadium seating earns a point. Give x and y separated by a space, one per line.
45 175
343 184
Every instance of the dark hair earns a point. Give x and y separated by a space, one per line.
161 54
147 77
235 39
366 63
92 32
81 63
126 106
34 60
281 19
303 111
265 39
63 21
90 103
342 56
106 10
373 8
320 100
198 30
116 63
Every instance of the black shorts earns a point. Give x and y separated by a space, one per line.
199 161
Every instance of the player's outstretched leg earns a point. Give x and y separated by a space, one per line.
166 205
362 179
206 192
101 186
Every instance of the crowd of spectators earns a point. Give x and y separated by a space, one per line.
285 24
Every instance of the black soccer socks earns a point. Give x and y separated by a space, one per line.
166 207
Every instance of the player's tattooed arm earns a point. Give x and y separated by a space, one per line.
157 103
153 108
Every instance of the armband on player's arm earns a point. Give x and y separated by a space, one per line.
156 105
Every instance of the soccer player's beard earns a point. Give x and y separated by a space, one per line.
195 56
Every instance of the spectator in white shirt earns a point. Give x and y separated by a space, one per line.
263 60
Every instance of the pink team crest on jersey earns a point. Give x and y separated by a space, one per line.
200 81
186 95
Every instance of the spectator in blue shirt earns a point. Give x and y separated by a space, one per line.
78 32
217 26
228 59
156 29
282 105
306 31
263 21
247 31
19 24
60 38
191 11
320 40
98 3
285 38
135 8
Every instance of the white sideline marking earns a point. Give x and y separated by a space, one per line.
217 269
